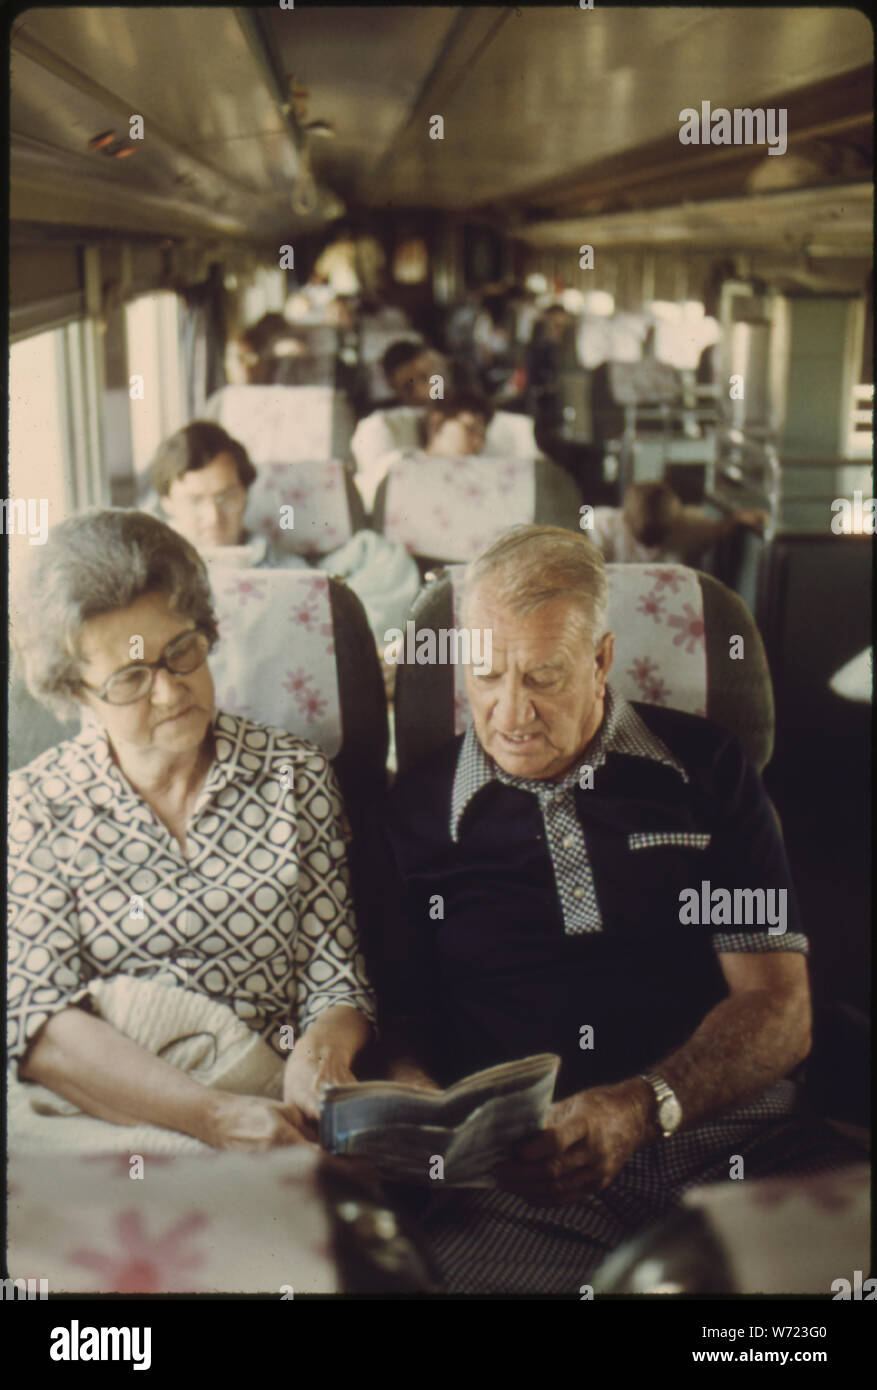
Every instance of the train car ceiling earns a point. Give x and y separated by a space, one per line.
544 109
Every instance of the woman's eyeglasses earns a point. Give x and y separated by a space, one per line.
181 657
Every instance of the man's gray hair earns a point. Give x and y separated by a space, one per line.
92 564
528 566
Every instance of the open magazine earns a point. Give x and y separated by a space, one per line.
469 1127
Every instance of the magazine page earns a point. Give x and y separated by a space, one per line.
469 1127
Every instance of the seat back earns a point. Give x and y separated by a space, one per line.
31 728
673 628
326 507
284 424
296 651
446 510
510 433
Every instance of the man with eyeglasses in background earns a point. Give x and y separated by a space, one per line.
203 476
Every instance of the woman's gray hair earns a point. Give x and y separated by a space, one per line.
92 564
528 566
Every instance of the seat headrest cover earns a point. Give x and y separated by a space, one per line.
275 660
513 434
656 613
454 508
318 497
283 424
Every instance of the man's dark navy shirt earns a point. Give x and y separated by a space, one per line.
474 945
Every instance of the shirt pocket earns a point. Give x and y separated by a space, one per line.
651 871
673 839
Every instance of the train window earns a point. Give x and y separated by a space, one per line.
157 385
39 452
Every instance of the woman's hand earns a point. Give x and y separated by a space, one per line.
307 1075
322 1057
251 1124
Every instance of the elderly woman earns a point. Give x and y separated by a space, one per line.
170 844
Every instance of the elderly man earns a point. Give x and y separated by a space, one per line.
543 863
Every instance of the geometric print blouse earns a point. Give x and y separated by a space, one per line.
257 915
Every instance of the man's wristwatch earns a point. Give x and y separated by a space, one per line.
669 1110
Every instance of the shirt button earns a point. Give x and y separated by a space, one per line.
567 841
578 892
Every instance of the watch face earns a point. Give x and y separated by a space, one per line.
669 1113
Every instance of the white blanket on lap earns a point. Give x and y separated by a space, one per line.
199 1035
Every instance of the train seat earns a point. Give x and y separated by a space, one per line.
296 652
510 433
326 508
782 1236
284 424
383 432
445 510
682 662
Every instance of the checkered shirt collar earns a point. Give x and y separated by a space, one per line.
621 731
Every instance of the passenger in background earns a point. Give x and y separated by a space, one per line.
203 477
494 343
457 427
309 303
652 526
548 354
252 356
407 366
458 337
451 428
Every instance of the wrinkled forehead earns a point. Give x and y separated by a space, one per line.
106 638
561 622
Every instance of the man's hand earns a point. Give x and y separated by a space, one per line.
410 1073
251 1124
588 1139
